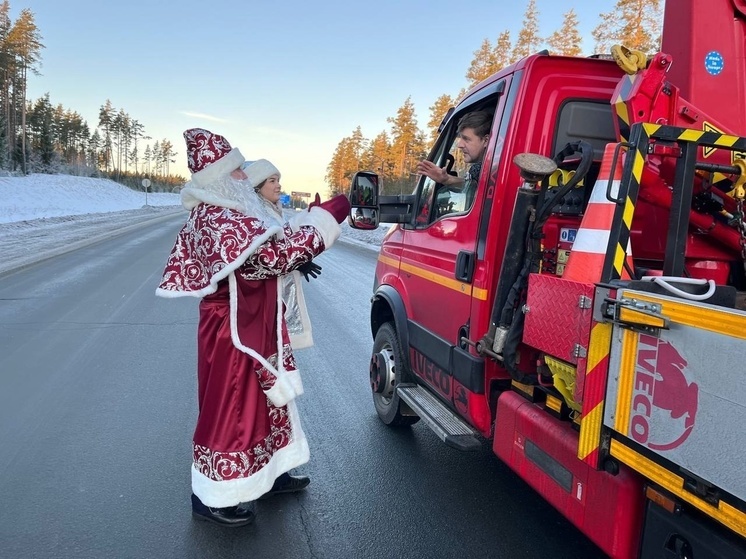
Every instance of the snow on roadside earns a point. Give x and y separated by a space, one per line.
40 215
37 195
26 242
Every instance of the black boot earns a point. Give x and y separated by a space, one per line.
233 517
287 484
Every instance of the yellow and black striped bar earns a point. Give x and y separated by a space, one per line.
629 187
707 138
594 395
620 105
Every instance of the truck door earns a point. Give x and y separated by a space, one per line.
439 250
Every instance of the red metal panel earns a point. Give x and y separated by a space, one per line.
555 323
608 509
706 42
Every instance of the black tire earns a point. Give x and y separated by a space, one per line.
390 409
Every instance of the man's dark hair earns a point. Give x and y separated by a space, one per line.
479 121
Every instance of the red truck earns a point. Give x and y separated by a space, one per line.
585 314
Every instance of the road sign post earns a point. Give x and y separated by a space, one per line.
146 185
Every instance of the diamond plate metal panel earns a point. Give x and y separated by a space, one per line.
557 322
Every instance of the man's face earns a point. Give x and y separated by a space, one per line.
238 174
471 145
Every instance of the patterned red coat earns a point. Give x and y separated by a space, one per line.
248 431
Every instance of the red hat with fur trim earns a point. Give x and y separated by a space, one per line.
210 156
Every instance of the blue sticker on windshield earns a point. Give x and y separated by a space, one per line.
714 62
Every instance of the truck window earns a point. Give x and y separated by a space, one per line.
589 120
436 200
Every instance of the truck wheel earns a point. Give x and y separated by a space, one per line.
386 371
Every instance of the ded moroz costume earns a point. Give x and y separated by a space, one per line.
233 252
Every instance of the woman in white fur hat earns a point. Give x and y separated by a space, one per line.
266 180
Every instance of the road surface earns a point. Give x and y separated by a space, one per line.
97 405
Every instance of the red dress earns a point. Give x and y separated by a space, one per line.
248 431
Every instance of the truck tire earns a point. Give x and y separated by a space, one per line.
388 370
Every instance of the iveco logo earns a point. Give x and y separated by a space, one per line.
664 402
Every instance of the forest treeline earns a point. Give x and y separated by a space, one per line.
394 153
37 136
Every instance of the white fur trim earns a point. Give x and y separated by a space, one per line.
191 197
231 492
237 340
301 341
259 171
305 338
322 221
223 166
279 319
282 391
295 381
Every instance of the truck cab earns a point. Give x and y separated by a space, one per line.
436 273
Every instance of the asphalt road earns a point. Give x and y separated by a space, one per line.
97 405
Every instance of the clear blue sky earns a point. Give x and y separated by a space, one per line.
284 80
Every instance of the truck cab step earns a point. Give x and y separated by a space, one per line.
449 427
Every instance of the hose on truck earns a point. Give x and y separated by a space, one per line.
517 294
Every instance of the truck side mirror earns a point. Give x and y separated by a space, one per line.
363 201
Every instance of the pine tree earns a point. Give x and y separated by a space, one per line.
348 158
167 155
137 132
147 157
24 46
490 59
528 41
72 136
94 148
407 144
483 65
4 144
438 111
636 24
6 68
358 146
41 133
504 50
155 158
566 40
379 159
105 121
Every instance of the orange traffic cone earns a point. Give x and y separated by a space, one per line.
586 260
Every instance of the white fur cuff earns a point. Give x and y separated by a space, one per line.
323 222
282 392
295 381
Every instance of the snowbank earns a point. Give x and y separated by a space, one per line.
36 196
